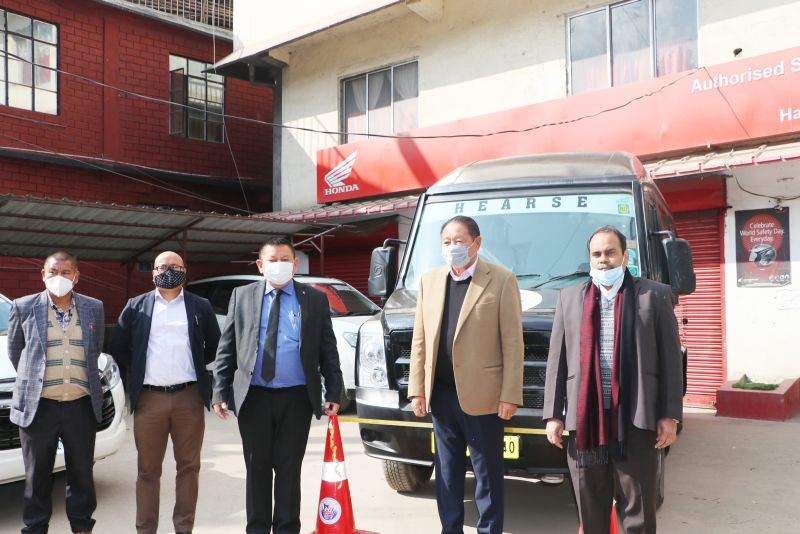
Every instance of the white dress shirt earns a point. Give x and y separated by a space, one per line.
470 271
169 354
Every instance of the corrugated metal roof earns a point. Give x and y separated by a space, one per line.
350 211
33 227
723 160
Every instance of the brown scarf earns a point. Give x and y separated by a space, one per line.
593 435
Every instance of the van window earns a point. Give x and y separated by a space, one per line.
5 309
542 238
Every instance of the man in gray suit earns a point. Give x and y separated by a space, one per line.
276 341
54 340
615 381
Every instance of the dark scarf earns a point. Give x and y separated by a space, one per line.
593 436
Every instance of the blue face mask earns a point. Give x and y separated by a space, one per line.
609 277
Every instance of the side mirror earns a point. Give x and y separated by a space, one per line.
679 261
382 272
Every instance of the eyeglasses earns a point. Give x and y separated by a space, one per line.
174 267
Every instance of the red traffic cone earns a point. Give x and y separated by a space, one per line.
335 510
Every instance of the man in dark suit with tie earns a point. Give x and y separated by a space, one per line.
276 341
167 337
54 340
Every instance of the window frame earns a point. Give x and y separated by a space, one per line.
609 48
4 59
344 134
184 105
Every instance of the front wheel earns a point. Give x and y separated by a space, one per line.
405 478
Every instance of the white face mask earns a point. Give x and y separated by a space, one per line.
456 255
609 277
278 273
58 285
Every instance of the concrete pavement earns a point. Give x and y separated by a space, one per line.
723 476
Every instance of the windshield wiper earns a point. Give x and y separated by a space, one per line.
576 274
530 275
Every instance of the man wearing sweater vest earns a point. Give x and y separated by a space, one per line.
54 340
466 370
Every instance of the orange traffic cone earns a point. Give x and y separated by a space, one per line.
335 511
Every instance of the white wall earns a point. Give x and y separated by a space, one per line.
482 56
763 340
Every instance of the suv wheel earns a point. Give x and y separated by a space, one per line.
405 478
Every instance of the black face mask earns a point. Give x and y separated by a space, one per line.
169 279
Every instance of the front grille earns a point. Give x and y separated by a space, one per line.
9 432
536 349
108 411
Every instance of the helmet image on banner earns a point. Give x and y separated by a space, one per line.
762 255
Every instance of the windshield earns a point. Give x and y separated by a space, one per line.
346 300
542 239
5 307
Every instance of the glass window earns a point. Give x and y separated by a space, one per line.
197 100
5 309
345 300
380 102
29 71
588 51
551 258
631 41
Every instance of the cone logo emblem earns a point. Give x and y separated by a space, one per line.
329 510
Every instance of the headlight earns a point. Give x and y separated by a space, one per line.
372 356
109 371
351 338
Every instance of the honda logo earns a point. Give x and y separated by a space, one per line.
337 176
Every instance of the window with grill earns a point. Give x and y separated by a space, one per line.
380 102
631 41
197 100
28 63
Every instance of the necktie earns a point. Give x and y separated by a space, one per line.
271 339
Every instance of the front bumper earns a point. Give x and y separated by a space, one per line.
108 441
390 431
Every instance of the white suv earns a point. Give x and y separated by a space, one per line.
110 431
349 309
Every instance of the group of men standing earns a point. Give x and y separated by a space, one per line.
614 381
166 337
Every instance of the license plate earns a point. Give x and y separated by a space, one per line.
510 447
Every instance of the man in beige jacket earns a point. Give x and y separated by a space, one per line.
466 369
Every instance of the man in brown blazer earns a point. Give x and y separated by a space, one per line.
615 381
466 370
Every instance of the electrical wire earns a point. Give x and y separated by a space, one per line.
104 169
373 135
225 135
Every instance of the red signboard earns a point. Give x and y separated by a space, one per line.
747 99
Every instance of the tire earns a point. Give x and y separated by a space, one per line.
405 478
660 478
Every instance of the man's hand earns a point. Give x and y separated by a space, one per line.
418 405
506 410
221 409
331 408
554 430
667 432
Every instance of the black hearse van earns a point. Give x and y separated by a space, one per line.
535 214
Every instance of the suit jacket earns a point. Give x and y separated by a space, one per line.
657 385
27 349
488 349
132 336
238 346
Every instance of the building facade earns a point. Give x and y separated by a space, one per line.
382 98
110 101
